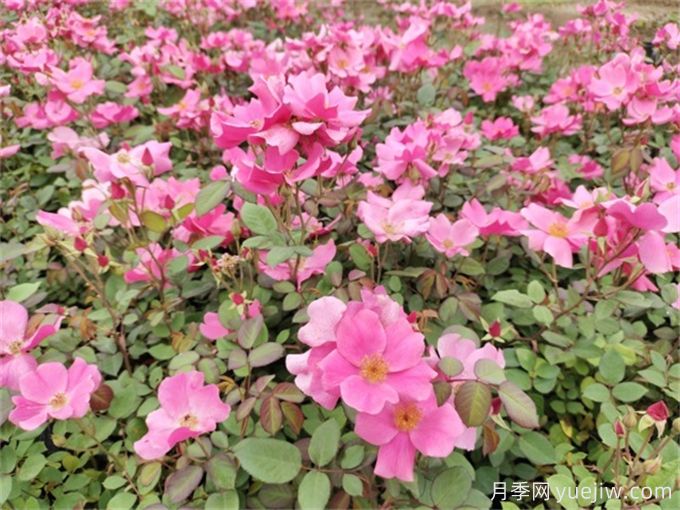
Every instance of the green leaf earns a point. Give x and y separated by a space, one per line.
116 87
450 366
174 70
222 471
211 196
597 392
451 487
352 485
250 331
22 291
265 354
629 391
269 460
473 401
426 94
535 291
513 297
113 482
31 467
121 501
612 367
314 491
537 448
360 256
518 405
180 484
154 221
561 485
542 314
258 219
279 254
124 403
324 443
488 371
5 488
228 500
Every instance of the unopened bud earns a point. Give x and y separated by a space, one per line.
652 466
630 420
80 244
147 158
676 426
619 428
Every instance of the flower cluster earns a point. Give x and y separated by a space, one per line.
371 356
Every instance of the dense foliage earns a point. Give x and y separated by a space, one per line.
280 253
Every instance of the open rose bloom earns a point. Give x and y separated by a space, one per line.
339 253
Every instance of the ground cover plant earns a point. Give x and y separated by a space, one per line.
287 253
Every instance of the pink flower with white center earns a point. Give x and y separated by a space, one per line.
188 409
554 234
376 361
137 164
663 179
451 238
501 128
402 216
555 119
78 82
615 83
18 336
403 428
302 268
52 391
487 77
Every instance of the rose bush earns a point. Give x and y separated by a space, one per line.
277 253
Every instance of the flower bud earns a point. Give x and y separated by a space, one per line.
652 466
658 411
630 420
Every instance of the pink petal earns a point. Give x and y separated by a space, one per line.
366 397
560 250
324 315
396 459
437 431
377 429
13 320
360 334
27 415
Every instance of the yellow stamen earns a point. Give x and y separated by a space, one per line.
374 368
407 417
